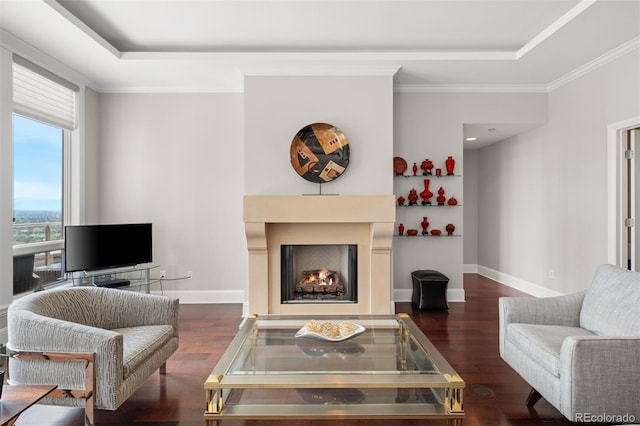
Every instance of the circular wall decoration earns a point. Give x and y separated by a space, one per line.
319 152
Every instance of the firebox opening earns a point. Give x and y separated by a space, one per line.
319 273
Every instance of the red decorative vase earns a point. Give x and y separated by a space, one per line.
401 229
401 200
450 163
452 201
413 197
426 194
425 225
441 198
415 169
450 228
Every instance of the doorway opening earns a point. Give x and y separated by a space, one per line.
624 193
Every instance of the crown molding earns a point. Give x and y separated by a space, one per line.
27 51
324 70
469 88
612 55
230 89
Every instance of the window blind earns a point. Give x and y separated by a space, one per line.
42 95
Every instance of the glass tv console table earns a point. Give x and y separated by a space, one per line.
389 371
136 278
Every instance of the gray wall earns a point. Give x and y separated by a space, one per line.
276 107
471 193
177 160
430 125
542 202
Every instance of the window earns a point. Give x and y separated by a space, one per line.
43 125
37 202
37 181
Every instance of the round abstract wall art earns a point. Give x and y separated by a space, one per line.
319 152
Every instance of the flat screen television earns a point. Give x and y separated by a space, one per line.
96 247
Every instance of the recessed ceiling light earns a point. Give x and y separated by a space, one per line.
471 139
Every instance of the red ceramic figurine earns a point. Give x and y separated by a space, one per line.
426 194
441 198
425 225
426 167
450 163
450 228
413 197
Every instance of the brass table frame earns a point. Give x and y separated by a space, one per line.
85 358
221 382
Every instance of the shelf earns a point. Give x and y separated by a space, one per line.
428 205
427 176
428 236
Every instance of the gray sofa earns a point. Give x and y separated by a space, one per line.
127 336
581 352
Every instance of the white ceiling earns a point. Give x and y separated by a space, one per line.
434 45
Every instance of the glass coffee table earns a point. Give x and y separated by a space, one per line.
388 371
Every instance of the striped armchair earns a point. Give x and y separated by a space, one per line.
116 336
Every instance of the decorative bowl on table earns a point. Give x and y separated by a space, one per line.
330 331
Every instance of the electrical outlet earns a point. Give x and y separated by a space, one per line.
163 274
189 274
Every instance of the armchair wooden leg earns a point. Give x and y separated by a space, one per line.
534 396
163 368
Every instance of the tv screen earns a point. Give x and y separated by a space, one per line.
95 247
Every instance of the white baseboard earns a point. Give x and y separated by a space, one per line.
237 296
205 296
404 295
511 281
470 268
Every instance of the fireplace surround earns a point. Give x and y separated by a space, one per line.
274 221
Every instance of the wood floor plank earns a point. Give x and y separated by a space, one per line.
466 334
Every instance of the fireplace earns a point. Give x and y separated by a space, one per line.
319 273
363 222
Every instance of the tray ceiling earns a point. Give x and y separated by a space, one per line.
209 45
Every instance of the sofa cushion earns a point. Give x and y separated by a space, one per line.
542 343
140 342
611 307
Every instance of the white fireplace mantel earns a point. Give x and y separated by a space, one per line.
274 220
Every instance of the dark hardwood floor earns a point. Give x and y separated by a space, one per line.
466 334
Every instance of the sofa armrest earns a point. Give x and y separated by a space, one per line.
558 310
598 375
